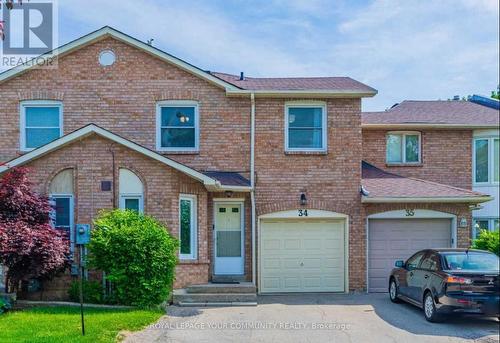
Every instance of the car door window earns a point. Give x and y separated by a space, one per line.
414 261
430 262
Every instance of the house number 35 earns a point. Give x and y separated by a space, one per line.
410 212
303 213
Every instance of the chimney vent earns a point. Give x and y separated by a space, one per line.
242 76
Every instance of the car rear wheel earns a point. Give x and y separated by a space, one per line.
430 311
393 291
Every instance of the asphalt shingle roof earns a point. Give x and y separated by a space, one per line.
452 112
381 184
295 83
228 178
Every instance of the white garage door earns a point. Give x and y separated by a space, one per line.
302 256
390 240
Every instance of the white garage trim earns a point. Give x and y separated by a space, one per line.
403 214
311 214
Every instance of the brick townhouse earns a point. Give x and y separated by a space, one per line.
280 181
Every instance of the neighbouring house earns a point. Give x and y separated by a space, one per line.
459 144
279 180
486 154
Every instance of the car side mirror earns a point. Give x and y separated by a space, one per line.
400 264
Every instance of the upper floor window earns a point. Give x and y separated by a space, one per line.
41 123
403 148
177 126
485 160
305 127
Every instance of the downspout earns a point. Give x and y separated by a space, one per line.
252 182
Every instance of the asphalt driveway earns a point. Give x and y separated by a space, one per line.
315 318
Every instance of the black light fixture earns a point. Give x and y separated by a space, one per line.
303 199
229 194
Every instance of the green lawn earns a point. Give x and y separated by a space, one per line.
62 324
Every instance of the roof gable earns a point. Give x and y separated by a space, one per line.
265 87
85 131
107 32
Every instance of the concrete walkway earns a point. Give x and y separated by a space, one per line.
315 318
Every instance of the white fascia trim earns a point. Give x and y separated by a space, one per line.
235 188
475 200
89 129
426 126
110 32
302 93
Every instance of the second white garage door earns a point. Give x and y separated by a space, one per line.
390 240
302 256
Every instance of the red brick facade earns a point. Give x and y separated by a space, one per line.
446 156
122 99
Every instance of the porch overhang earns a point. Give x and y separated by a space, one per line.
379 186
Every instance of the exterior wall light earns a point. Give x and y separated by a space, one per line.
303 199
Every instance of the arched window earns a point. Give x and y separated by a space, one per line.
131 191
61 192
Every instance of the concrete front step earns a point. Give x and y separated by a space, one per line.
182 297
219 288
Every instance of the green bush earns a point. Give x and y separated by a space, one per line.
488 240
92 292
4 305
138 255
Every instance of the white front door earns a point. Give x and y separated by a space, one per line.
228 238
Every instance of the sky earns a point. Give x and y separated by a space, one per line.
423 49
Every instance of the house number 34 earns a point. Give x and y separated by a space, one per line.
410 212
303 213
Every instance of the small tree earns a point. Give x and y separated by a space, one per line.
29 246
138 255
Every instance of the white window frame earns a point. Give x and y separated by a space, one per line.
403 147
324 125
491 163
491 224
71 209
22 121
139 197
194 227
178 103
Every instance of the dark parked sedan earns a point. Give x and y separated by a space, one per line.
446 281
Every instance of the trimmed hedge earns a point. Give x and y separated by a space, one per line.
138 255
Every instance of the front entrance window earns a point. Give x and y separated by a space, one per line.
187 226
